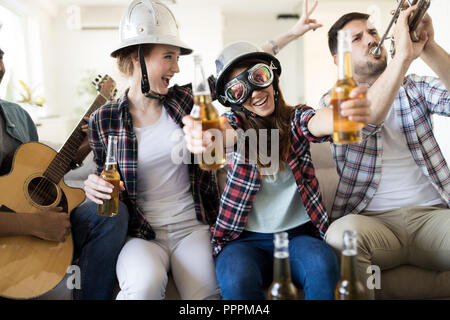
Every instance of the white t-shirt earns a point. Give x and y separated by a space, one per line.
402 183
163 187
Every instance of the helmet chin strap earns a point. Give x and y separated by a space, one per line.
145 85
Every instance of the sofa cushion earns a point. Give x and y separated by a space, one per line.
411 282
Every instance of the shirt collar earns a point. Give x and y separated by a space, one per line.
123 101
8 121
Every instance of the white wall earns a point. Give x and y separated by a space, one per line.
75 54
440 13
320 72
237 27
78 51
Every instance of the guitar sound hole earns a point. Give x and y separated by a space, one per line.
42 191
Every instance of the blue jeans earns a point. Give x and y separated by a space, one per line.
244 268
97 244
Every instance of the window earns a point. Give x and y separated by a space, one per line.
12 42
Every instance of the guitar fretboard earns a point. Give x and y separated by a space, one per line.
61 163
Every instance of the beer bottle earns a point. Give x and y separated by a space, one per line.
349 287
110 207
282 287
214 157
345 131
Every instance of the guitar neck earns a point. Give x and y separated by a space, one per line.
61 163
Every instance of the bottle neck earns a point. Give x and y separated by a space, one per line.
281 264
111 152
349 265
110 167
200 86
345 66
344 46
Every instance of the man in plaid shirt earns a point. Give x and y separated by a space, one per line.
394 187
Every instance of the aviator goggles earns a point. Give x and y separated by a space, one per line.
238 89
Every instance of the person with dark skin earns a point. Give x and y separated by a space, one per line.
92 234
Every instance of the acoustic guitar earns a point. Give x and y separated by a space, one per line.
29 266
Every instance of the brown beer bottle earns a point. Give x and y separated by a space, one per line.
110 207
349 287
345 131
282 287
214 157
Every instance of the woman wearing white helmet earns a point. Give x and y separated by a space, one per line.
259 199
171 205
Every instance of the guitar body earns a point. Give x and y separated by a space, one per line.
30 266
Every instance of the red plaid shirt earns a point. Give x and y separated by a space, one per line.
115 119
244 181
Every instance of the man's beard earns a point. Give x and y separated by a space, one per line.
375 69
372 69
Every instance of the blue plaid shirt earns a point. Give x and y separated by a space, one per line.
359 165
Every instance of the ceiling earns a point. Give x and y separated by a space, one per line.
226 5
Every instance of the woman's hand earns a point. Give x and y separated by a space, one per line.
97 189
305 23
197 140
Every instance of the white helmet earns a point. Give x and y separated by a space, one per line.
149 22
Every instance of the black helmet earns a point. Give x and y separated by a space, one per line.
235 53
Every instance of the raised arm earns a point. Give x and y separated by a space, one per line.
384 90
303 25
434 55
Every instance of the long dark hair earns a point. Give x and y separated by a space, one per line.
279 119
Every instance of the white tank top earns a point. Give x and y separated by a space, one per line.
402 183
163 187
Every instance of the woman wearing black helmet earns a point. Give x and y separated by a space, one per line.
265 197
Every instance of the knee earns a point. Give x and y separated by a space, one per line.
228 274
322 263
335 233
137 285
116 226
238 278
111 230
327 264
119 223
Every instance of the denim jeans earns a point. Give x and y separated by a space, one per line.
97 244
244 268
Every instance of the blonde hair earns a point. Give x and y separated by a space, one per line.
124 58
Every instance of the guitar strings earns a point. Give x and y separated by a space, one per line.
44 186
